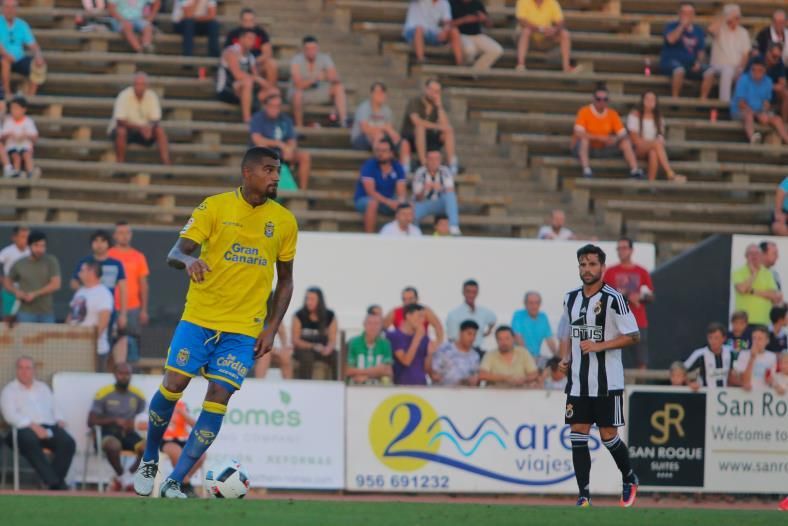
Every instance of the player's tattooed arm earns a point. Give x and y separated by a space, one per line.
281 301
180 257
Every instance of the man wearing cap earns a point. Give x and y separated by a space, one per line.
730 51
15 38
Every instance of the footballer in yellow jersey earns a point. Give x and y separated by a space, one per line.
244 237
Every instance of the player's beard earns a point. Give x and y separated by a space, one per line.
593 279
271 192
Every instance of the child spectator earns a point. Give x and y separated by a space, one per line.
780 378
778 339
740 336
678 374
554 378
19 133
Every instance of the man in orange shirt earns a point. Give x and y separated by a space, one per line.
599 133
136 267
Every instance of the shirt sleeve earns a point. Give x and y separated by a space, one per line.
547 330
200 225
530 364
418 181
362 112
54 268
120 110
741 362
155 108
784 185
618 126
287 250
557 14
289 132
623 317
486 364
9 410
97 406
106 301
633 123
694 361
27 35
740 275
144 269
446 14
448 180
388 355
121 271
328 62
30 127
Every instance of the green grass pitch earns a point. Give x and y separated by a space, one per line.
89 511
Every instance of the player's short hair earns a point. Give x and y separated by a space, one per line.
761 328
740 315
412 289
716 327
308 39
410 309
469 324
503 328
628 240
378 84
470 283
25 358
20 101
246 11
678 365
590 249
95 266
100 234
256 154
532 293
777 313
440 217
35 236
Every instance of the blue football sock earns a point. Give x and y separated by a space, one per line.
160 411
202 436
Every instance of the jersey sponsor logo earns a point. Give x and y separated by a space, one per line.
239 253
269 229
157 420
202 206
205 437
586 332
232 363
182 357
232 223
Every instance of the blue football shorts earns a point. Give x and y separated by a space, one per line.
221 357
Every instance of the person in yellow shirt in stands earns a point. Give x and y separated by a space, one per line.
756 290
599 133
542 20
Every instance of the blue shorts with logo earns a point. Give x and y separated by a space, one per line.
222 357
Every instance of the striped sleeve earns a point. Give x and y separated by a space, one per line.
695 360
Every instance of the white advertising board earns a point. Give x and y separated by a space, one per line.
465 440
287 435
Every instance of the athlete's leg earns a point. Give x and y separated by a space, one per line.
618 450
581 457
160 411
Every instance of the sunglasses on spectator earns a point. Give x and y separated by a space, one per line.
601 99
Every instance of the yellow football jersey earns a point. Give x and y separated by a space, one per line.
241 245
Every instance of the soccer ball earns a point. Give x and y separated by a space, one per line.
227 481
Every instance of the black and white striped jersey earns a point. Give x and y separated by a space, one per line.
713 368
602 317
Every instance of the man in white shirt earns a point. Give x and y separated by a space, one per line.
92 306
28 405
470 310
757 366
10 255
556 229
730 51
402 226
429 22
197 17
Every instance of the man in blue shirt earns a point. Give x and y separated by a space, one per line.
113 276
751 102
270 128
15 37
531 327
683 50
381 187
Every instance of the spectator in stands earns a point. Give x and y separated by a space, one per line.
430 22
374 121
509 365
130 17
426 125
369 355
633 282
314 337
730 51
433 192
196 17
756 367
19 134
314 80
381 186
778 337
12 253
402 226
16 39
174 440
136 118
647 131
678 374
683 50
599 133
769 256
114 410
29 406
92 306
780 380
484 318
441 226
556 230
412 347
376 310
262 49
33 280
776 70
553 377
456 362
396 317
774 33
531 327
273 129
468 16
714 362
112 274
751 102
135 267
755 289
542 20
739 337
237 79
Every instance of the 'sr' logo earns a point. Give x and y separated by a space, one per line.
672 415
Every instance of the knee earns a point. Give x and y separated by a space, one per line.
161 135
652 154
372 207
525 34
174 382
121 132
418 32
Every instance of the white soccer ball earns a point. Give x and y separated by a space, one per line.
227 480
